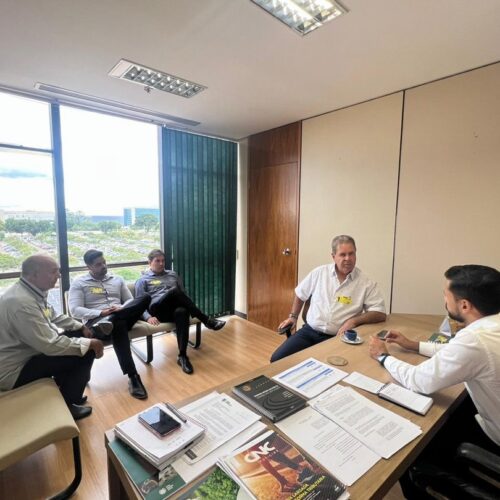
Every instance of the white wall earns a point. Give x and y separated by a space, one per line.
449 196
240 301
349 177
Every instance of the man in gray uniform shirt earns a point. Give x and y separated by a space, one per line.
100 300
31 346
169 302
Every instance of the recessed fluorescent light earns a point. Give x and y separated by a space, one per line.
303 16
151 78
66 96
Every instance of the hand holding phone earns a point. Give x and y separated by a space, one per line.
158 421
381 335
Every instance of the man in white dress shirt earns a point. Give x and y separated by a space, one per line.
472 357
341 298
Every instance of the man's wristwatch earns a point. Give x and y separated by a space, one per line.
294 316
381 359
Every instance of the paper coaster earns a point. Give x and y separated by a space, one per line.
336 360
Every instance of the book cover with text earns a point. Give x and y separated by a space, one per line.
271 468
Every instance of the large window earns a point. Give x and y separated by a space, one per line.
111 186
26 184
72 179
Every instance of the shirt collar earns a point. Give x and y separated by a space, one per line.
350 276
89 277
33 288
149 272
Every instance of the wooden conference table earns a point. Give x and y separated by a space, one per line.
380 478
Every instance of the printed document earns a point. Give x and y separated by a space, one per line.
383 431
310 378
363 382
190 471
336 450
222 416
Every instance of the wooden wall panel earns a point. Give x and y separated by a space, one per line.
273 210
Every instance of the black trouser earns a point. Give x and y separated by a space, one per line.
123 320
462 427
176 306
71 373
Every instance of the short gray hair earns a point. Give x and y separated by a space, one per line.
33 264
339 240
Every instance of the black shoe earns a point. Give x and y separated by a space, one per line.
214 324
136 387
82 401
102 328
185 364
78 412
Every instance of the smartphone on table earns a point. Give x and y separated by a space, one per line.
159 422
381 335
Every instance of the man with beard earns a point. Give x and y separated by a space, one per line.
472 297
104 302
341 298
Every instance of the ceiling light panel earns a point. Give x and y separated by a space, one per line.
303 16
151 78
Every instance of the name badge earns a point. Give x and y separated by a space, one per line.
97 290
155 282
344 300
46 312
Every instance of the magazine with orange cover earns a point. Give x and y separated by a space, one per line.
271 468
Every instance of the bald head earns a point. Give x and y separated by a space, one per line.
40 270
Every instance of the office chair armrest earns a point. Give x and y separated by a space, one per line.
436 482
479 459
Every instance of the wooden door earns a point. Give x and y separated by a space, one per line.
273 211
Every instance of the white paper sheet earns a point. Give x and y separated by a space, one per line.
222 416
405 397
189 471
363 382
310 378
337 451
383 431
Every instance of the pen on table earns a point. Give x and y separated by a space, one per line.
175 411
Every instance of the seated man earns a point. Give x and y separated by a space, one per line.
169 302
472 297
342 298
99 298
31 346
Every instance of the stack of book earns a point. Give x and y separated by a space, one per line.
159 451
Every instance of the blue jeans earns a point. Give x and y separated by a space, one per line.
304 337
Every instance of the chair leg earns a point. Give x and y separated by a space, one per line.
148 357
78 473
197 343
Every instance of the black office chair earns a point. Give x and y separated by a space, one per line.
288 331
478 476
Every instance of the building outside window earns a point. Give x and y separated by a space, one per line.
111 188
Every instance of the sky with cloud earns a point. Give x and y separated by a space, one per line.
109 163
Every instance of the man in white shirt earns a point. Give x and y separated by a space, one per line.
341 298
472 297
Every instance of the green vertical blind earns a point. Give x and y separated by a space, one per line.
199 205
